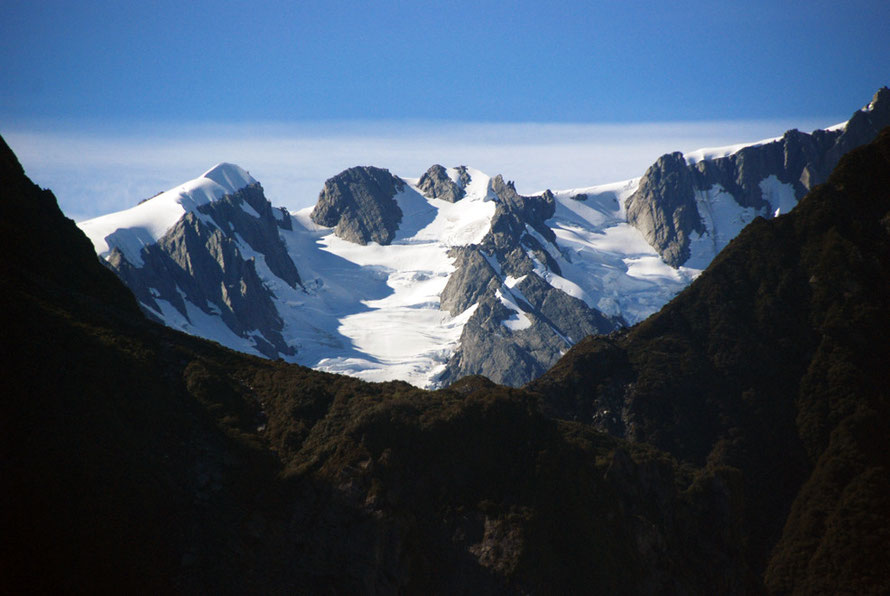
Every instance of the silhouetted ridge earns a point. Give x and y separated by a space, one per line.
767 363
671 205
41 247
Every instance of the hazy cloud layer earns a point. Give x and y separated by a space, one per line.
96 170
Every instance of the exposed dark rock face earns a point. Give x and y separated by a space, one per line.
259 229
198 260
283 219
436 184
358 203
473 278
463 176
507 346
509 238
573 319
664 207
516 354
489 348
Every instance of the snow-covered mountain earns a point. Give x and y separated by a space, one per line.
689 207
453 273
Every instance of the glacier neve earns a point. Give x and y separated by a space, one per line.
373 311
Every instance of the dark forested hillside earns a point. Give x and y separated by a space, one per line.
774 362
731 443
138 457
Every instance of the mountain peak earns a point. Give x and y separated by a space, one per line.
229 176
882 97
148 221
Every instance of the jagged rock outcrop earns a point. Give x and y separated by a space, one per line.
664 207
489 348
515 346
198 261
358 203
573 319
258 229
522 324
436 184
510 239
664 210
473 278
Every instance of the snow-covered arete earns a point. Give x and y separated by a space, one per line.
710 153
148 221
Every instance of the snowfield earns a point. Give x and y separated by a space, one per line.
374 312
380 304
605 261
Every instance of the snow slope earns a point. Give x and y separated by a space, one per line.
605 261
724 218
709 153
148 221
375 309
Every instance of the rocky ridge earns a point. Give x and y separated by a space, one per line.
198 263
436 184
670 206
522 324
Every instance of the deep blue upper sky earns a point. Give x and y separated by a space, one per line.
113 61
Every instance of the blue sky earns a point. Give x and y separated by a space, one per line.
120 75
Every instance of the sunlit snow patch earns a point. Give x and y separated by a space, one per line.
386 298
604 260
518 320
148 221
710 153
724 218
